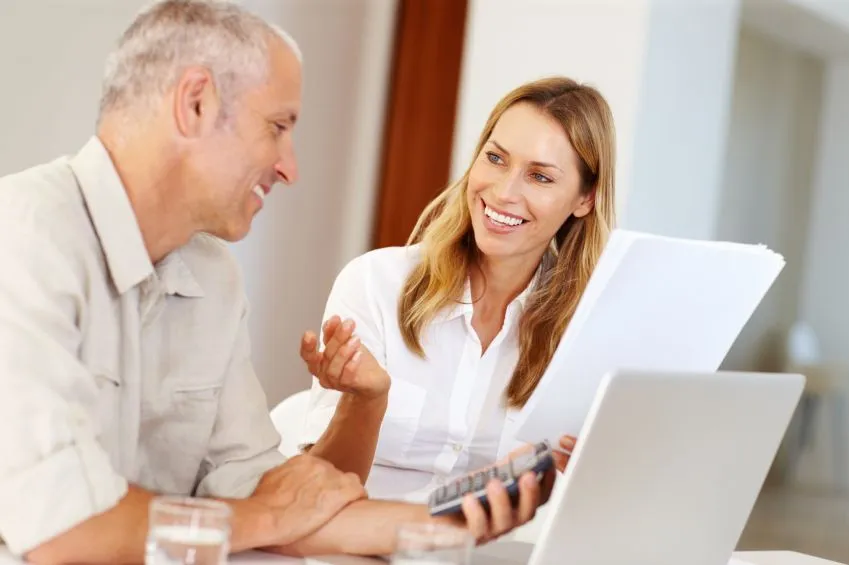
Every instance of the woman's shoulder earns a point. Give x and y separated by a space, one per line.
386 260
384 269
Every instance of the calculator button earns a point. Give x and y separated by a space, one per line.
480 481
452 490
465 485
440 495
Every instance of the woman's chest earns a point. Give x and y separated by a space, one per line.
448 404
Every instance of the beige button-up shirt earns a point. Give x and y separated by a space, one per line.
113 370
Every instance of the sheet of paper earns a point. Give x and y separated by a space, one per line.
653 303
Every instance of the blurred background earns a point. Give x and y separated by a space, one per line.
732 120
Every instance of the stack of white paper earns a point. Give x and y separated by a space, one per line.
653 303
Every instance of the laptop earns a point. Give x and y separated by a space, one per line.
666 470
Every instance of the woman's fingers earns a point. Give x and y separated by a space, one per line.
310 353
337 363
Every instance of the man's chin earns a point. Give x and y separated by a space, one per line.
232 234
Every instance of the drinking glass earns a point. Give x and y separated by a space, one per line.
187 531
432 544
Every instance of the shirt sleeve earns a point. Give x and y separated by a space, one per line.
54 473
244 443
350 297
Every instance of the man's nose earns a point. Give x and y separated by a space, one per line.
287 167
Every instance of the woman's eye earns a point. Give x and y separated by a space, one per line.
494 158
539 177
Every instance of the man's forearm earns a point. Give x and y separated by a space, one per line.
365 527
350 440
118 535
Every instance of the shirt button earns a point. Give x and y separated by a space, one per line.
458 447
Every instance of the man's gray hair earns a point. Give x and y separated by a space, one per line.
172 35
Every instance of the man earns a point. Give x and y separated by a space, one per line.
124 358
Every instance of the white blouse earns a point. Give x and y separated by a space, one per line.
446 413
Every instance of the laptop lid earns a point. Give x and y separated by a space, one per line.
667 468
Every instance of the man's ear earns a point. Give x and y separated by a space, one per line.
196 102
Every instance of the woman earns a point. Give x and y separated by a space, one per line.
446 338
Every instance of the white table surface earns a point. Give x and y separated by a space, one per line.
778 558
739 558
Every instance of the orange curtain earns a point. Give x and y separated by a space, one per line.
420 115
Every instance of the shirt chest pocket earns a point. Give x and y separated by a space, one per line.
177 431
401 422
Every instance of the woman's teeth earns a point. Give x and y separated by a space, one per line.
501 218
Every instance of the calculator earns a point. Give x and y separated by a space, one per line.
449 498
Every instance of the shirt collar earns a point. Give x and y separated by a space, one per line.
117 228
177 277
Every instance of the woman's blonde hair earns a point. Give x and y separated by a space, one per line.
444 231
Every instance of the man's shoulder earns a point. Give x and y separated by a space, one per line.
42 205
44 196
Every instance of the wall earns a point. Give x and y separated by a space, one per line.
836 13
51 69
818 27
306 234
51 80
766 190
682 119
824 300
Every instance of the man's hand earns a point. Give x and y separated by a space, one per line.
345 364
302 495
